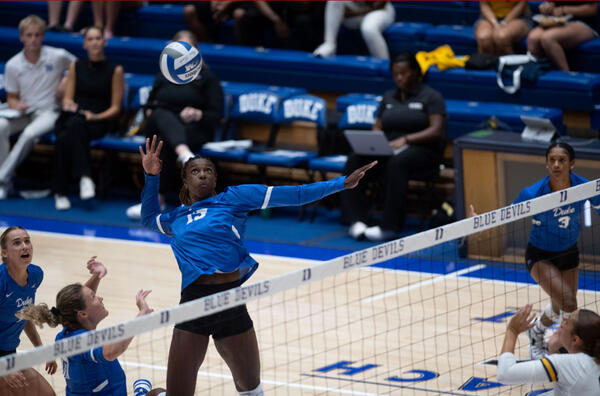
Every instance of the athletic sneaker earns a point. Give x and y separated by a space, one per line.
141 387
357 230
537 345
377 234
134 212
325 50
61 202
87 188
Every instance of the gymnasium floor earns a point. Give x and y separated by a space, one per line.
421 325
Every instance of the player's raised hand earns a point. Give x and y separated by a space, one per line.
142 304
151 158
522 320
96 267
353 179
472 212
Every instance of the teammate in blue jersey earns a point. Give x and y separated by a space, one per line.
79 309
19 280
206 238
552 256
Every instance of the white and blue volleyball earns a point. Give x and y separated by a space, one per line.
180 62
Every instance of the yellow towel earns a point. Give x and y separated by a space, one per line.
443 57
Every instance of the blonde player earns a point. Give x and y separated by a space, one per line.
79 310
19 280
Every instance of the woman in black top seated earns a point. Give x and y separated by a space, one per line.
413 119
92 102
184 117
551 39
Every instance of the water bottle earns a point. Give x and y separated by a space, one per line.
141 387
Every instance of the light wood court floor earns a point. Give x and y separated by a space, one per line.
364 332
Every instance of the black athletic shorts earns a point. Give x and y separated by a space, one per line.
564 260
4 353
221 324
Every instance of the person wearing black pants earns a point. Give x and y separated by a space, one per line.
169 127
92 101
184 117
413 119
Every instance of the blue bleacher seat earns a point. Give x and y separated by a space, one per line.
461 38
359 112
307 108
338 74
329 163
465 116
438 12
576 91
120 143
586 57
406 36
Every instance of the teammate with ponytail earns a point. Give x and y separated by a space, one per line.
79 309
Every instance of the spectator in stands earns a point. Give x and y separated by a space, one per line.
502 24
371 17
203 17
54 10
184 117
32 77
92 102
251 23
412 116
574 372
106 14
306 19
551 39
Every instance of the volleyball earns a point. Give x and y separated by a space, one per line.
180 62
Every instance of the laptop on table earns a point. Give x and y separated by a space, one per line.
372 143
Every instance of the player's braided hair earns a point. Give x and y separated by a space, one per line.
184 194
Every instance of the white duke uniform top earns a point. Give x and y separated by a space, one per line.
206 237
572 373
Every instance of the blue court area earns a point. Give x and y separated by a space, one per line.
279 232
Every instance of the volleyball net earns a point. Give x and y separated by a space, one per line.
424 314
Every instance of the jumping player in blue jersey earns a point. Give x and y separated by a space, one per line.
79 309
552 256
19 280
206 234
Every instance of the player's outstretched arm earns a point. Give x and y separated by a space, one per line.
113 351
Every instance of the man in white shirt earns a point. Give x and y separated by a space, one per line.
32 78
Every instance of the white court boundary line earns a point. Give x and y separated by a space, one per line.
262 380
433 280
243 294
